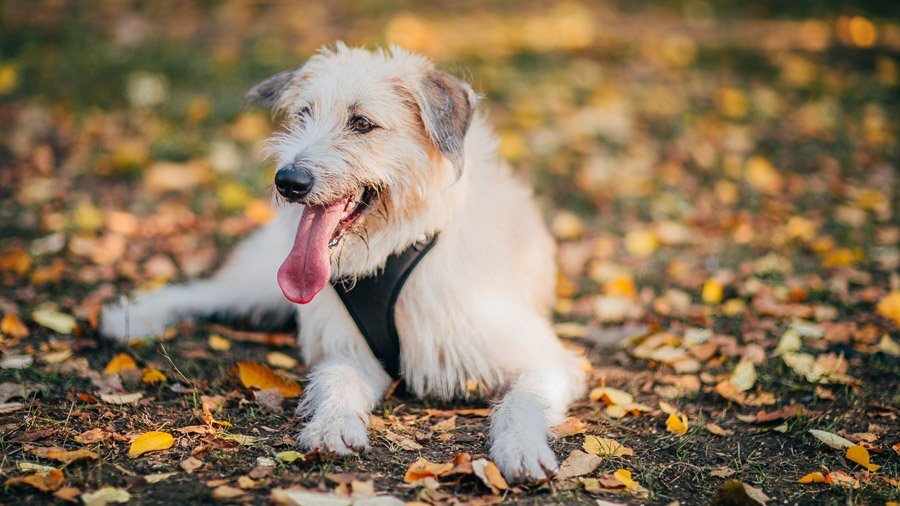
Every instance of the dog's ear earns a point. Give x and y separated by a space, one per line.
446 105
268 93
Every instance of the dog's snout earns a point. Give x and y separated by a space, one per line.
293 182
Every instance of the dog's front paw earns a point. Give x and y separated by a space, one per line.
523 458
123 320
341 435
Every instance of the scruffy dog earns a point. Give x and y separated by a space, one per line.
381 150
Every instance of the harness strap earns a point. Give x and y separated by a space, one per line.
371 300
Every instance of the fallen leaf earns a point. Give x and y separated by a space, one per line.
31 466
569 427
718 431
12 326
624 476
120 363
578 463
744 376
423 468
304 498
832 440
289 456
841 478
60 455
223 492
281 360
190 464
604 447
158 477
121 398
405 443
219 343
68 494
889 307
611 396
737 492
730 391
16 361
860 455
722 472
446 424
713 292
150 442
490 475
152 376
256 375
45 482
814 477
49 317
240 439
677 425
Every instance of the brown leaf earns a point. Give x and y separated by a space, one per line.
578 463
46 482
60 455
422 468
490 475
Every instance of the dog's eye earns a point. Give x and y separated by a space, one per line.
362 125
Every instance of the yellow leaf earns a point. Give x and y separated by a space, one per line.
814 477
422 468
219 343
624 476
677 425
48 317
289 456
150 442
641 243
732 103
763 176
889 307
570 427
611 395
12 326
744 376
119 363
712 292
604 447
280 360
566 225
151 376
256 375
860 455
621 286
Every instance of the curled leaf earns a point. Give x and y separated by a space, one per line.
677 425
814 477
832 440
860 455
423 468
611 396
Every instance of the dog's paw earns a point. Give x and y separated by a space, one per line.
124 321
340 435
523 459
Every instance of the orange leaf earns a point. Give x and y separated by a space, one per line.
814 477
60 455
12 326
256 375
624 476
150 442
422 468
47 482
490 475
860 455
119 363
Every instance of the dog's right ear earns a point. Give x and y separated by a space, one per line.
268 93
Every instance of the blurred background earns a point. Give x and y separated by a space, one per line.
670 142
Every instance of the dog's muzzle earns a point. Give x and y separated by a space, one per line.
294 182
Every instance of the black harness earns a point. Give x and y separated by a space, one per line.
371 300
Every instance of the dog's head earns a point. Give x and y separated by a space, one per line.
369 136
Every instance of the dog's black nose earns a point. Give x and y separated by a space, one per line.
293 182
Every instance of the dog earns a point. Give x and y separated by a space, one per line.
379 151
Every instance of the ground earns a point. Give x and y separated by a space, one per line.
721 179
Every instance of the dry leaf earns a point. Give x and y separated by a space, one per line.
577 464
152 376
49 317
158 477
422 468
677 425
12 326
718 431
490 475
814 477
570 427
120 363
106 495
841 478
860 455
46 482
721 472
744 376
190 464
611 396
730 391
223 492
624 476
289 456
150 442
219 343
281 360
241 439
604 447
121 398
68 494
256 375
60 455
832 440
889 307
737 492
16 361
713 292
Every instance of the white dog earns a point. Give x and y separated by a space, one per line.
381 151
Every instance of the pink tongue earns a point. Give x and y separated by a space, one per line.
307 268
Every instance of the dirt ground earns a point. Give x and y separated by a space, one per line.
722 182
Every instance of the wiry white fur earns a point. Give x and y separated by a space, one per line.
474 309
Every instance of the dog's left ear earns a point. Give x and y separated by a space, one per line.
446 105
268 93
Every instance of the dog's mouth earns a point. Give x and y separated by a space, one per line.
307 268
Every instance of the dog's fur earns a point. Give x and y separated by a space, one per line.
475 309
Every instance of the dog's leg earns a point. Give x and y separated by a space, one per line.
520 424
244 286
341 394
